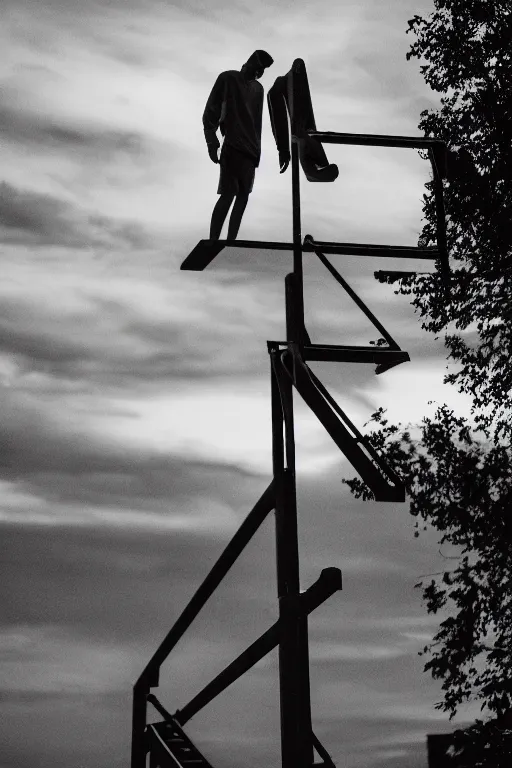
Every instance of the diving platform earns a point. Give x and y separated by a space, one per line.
206 250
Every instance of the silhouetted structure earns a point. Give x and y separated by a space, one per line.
165 741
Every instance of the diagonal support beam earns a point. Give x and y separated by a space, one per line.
328 761
361 440
357 300
373 470
149 677
326 585
248 528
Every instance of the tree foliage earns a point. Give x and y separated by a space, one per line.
458 474
461 483
463 486
466 53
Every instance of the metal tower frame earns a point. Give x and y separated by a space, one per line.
165 741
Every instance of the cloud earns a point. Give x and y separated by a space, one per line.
129 323
47 661
31 128
34 219
335 654
57 471
127 587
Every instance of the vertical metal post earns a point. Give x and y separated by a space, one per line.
297 235
297 245
140 692
296 744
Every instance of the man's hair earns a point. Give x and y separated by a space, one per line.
260 60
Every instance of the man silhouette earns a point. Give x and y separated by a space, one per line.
235 105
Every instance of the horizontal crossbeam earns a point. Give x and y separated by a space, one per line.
326 585
369 249
335 353
376 140
206 250
347 354
436 147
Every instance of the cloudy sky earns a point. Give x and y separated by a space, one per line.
135 411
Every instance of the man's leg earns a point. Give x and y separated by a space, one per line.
236 215
219 215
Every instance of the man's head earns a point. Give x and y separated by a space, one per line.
256 64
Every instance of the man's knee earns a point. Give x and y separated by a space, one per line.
242 198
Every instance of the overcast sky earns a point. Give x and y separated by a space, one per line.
135 397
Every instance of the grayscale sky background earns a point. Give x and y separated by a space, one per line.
135 397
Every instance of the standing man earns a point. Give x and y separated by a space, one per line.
235 105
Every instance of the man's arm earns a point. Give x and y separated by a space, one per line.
279 121
212 115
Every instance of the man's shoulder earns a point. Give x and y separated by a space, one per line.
228 78
230 74
235 74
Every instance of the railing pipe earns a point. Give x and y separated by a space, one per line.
374 139
298 311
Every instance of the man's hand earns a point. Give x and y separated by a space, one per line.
213 152
284 161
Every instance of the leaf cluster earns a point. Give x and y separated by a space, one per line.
466 54
484 744
461 483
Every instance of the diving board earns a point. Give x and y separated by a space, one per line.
206 250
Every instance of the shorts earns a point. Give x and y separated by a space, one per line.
237 172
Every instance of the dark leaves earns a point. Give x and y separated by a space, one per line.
459 474
465 52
